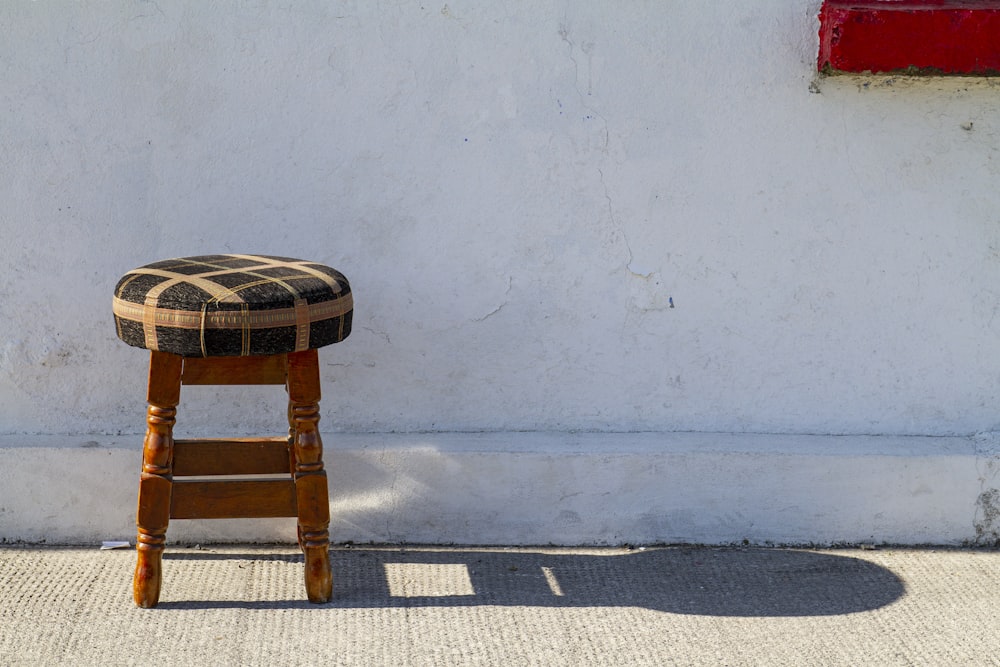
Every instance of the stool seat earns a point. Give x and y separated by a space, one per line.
232 305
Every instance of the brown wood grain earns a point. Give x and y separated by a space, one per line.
233 499
236 370
231 456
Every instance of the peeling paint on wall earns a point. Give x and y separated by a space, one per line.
987 521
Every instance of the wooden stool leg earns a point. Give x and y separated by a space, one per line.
155 479
291 465
310 477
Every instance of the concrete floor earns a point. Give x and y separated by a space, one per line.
243 605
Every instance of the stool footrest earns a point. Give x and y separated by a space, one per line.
233 499
231 456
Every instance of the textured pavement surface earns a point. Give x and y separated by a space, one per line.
244 605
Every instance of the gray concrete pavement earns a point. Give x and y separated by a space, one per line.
243 605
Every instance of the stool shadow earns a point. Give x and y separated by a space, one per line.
682 580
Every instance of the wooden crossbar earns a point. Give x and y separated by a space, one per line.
233 499
235 370
231 456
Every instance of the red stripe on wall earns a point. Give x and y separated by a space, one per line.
914 36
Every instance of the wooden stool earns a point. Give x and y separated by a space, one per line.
233 319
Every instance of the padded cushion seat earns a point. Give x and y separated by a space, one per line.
233 305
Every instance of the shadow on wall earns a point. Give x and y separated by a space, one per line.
679 580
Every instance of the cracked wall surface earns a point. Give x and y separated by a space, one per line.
554 215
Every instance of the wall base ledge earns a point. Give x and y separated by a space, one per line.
526 488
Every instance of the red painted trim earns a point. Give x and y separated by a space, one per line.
914 36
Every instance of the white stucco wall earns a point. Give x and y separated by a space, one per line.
518 192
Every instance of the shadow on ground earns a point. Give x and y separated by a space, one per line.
680 580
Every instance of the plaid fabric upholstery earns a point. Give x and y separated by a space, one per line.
232 305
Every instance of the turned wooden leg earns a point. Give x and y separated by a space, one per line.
310 477
155 479
292 466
